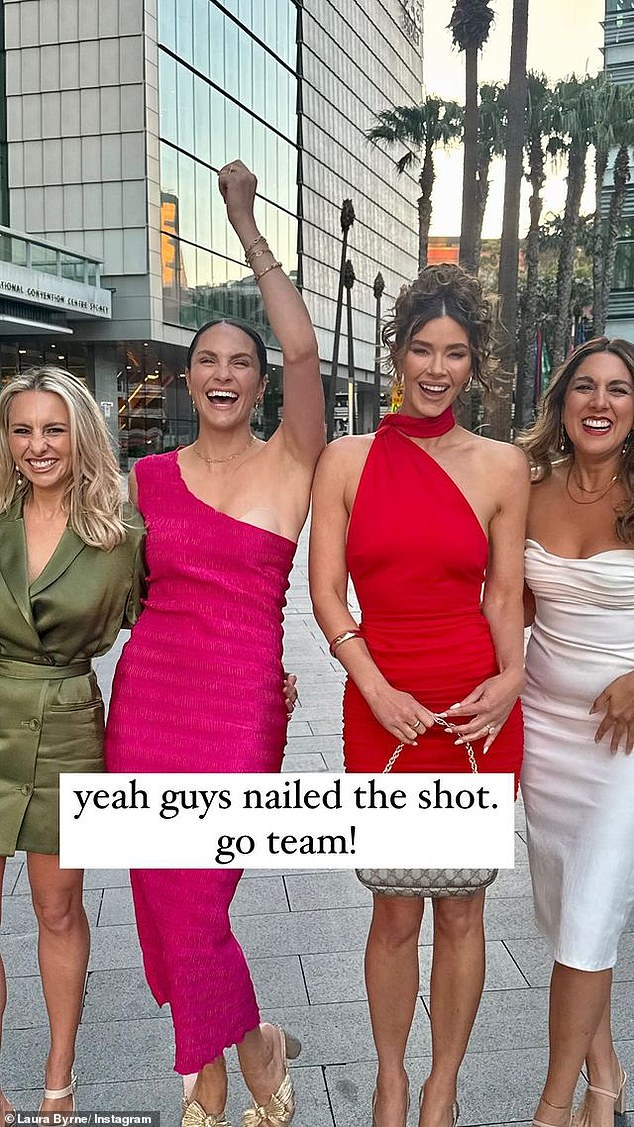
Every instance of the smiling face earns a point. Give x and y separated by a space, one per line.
224 377
598 409
39 438
435 367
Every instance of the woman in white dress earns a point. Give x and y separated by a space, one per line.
578 774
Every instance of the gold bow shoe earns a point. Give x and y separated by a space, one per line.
280 1109
194 1115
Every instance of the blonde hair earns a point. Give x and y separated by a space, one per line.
546 441
93 495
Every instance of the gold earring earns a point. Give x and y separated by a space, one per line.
469 384
20 478
563 438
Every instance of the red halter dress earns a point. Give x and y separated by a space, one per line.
417 555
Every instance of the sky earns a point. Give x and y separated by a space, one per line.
564 36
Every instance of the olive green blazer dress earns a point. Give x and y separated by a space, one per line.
51 711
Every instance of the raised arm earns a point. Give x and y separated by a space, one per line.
328 573
303 427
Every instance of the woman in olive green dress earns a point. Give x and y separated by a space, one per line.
71 574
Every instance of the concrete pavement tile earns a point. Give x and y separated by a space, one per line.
125 1050
12 868
623 1011
19 954
297 728
119 995
305 762
350 1087
501 971
511 883
106 878
25 1004
321 745
326 727
334 978
510 1019
511 918
115 948
259 896
337 929
533 957
333 889
278 979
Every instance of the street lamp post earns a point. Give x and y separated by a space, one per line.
379 287
347 219
348 281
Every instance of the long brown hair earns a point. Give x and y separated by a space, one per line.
547 442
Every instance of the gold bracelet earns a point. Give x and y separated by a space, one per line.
257 254
345 636
260 239
273 266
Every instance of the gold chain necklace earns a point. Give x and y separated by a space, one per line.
594 500
229 458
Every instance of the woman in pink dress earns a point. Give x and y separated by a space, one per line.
199 684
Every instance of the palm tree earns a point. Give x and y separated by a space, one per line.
491 140
470 25
419 129
576 99
501 409
542 139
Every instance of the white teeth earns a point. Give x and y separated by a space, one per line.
597 424
433 387
217 394
45 464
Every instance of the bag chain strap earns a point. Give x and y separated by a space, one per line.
440 720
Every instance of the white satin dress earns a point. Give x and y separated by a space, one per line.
579 798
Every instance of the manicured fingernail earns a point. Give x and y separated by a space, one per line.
456 742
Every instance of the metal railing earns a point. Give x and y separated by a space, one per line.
48 258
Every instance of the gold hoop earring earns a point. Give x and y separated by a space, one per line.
469 384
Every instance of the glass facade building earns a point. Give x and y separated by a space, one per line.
119 116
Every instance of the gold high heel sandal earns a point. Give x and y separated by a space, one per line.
194 1115
280 1109
583 1118
59 1094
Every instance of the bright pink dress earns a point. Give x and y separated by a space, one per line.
199 688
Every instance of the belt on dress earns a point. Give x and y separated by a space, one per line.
29 671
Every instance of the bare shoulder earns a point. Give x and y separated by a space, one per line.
501 457
345 454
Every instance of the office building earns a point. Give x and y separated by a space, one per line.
119 114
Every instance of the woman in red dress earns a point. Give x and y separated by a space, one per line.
428 521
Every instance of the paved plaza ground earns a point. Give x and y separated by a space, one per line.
303 934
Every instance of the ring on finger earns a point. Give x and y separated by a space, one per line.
491 729
416 724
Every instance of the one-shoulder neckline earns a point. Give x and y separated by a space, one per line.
578 559
452 481
220 513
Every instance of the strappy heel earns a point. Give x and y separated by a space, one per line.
59 1094
280 1109
555 1107
583 1117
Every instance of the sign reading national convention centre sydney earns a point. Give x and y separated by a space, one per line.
51 290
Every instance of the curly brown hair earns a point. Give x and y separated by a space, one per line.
445 290
546 441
